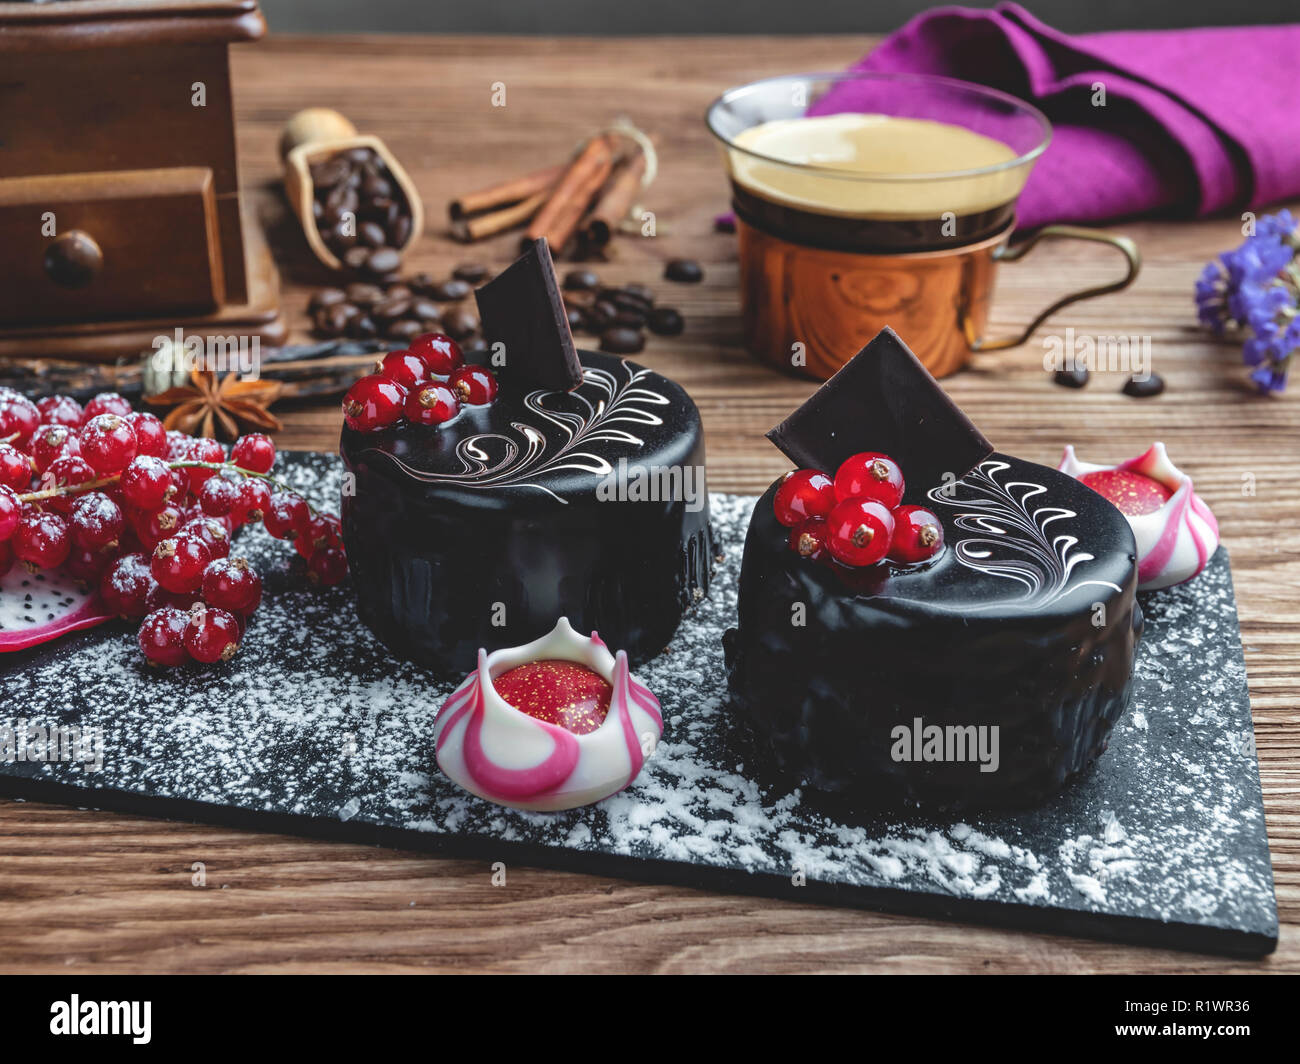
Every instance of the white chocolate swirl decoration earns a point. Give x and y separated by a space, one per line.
1012 537
508 757
521 458
1176 540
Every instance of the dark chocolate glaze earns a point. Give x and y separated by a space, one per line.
1031 628
484 531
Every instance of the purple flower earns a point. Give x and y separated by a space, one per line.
1257 286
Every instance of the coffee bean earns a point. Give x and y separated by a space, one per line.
399 231
420 283
342 199
365 294
1071 378
628 301
375 187
686 271
602 315
577 319
326 174
334 319
431 325
390 309
383 261
398 291
579 280
403 329
621 340
632 318
372 235
583 299
471 272
459 322
1139 388
640 291
425 308
451 291
362 327
326 297
356 257
664 321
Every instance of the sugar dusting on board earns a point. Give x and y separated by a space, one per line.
313 718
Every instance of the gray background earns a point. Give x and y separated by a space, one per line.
731 16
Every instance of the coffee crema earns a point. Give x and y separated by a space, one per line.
871 182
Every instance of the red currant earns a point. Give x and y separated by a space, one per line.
6 557
150 436
232 584
65 472
178 445
405 367
286 515
440 353
178 563
11 512
96 522
15 468
474 385
162 636
373 403
870 475
203 449
124 588
159 597
431 404
19 417
211 634
50 442
255 452
323 530
804 493
107 443
60 410
808 539
147 483
213 534
859 531
153 528
86 566
918 535
327 566
219 495
105 403
42 539
251 501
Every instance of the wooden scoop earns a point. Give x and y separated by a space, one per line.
318 133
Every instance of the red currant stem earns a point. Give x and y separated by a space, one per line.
101 482
9 439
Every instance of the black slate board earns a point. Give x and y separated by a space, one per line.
314 730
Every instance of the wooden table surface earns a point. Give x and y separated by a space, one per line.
89 891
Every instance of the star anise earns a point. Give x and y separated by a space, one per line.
221 410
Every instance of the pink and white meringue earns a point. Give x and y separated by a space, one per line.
506 756
1175 531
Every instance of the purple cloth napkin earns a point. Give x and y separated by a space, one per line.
1195 121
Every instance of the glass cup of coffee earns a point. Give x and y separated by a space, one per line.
864 200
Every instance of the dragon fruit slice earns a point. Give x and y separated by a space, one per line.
38 607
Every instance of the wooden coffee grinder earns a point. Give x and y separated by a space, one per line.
120 213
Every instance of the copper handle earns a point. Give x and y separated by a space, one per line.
73 259
1013 253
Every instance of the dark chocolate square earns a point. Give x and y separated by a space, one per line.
884 400
522 309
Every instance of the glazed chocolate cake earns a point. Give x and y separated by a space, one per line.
989 674
586 502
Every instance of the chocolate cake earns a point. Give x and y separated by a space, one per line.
586 502
989 674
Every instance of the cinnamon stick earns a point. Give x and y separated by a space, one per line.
617 200
506 192
484 225
558 219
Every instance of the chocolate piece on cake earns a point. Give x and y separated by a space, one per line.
522 309
884 400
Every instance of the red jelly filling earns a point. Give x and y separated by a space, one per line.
558 692
1134 494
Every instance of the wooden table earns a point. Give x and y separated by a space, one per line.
88 891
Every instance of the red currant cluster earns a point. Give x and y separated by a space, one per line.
856 518
427 385
115 500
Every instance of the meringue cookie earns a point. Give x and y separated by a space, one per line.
506 756
1174 540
